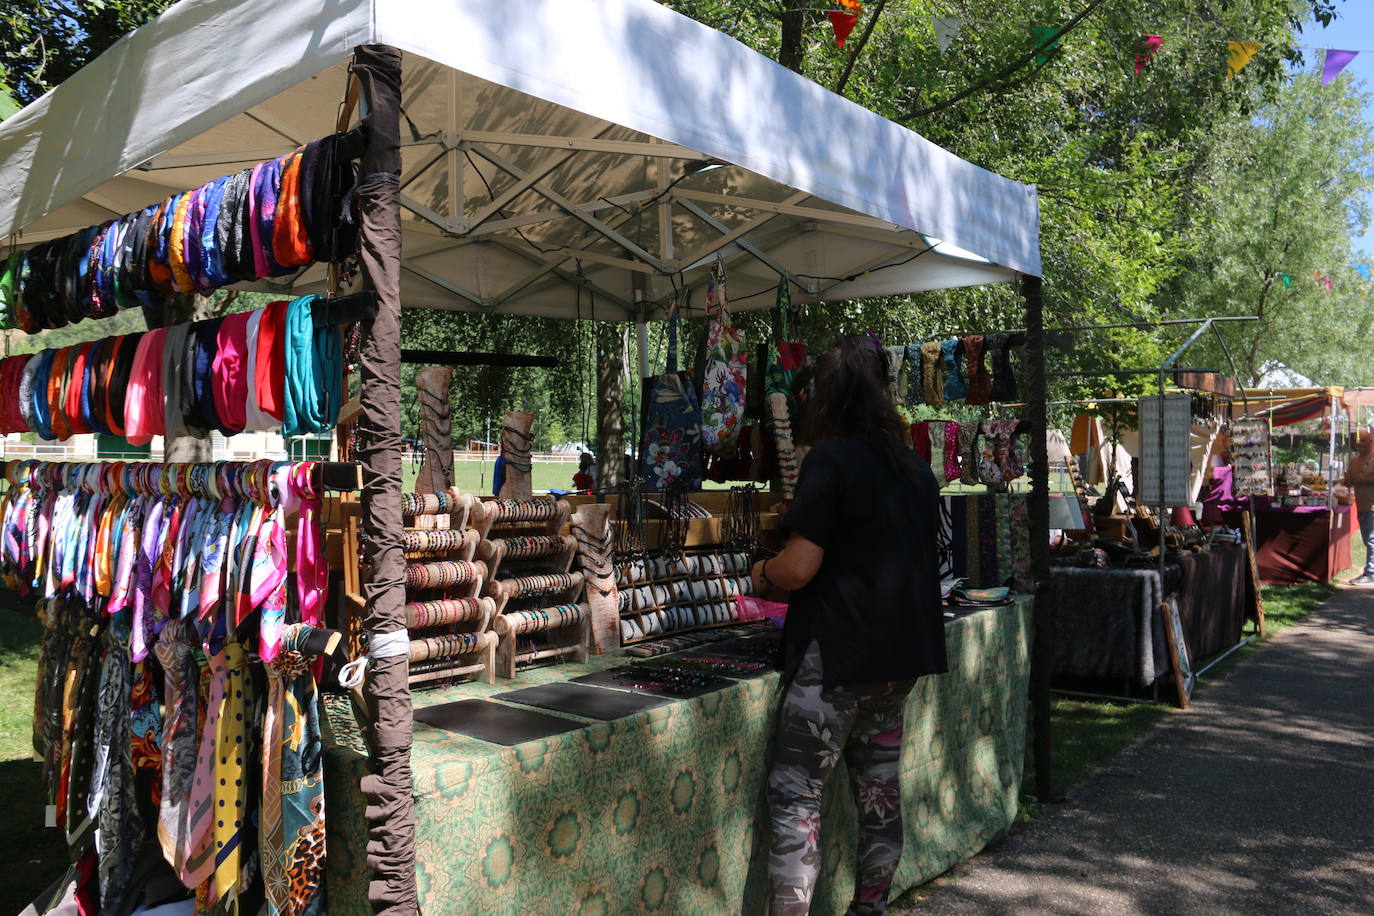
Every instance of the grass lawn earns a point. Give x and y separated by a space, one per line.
475 477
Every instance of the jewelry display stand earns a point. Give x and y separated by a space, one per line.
446 616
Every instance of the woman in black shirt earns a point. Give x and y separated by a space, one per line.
864 622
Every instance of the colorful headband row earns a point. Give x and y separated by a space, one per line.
252 371
265 221
264 481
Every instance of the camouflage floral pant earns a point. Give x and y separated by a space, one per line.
864 724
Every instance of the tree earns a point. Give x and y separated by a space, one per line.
42 42
1284 192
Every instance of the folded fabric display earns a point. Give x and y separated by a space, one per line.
176 705
271 368
265 221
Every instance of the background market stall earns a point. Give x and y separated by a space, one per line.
1303 532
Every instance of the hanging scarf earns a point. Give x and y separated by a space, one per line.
229 370
312 569
314 372
930 373
979 380
955 386
291 825
175 647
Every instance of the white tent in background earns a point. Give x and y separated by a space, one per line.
565 157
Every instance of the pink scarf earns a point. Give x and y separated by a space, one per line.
145 412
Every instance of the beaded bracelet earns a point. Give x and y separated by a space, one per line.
443 574
423 614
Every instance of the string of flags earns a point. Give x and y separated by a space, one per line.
947 28
1325 282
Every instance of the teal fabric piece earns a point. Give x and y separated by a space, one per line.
314 372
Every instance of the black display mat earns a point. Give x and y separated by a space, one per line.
493 722
614 678
581 700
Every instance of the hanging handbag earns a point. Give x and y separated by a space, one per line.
790 353
724 372
671 449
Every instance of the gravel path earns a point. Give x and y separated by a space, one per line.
1257 800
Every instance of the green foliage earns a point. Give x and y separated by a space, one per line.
42 42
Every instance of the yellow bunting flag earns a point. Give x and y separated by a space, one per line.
1238 54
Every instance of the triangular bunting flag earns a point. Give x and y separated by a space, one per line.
1287 280
1145 51
1335 62
1238 54
1045 42
946 28
842 23
1363 271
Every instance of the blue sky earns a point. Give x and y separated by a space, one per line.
1353 30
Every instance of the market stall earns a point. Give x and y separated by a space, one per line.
554 151
1303 529
1141 590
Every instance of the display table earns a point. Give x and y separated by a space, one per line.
1107 625
1300 544
663 811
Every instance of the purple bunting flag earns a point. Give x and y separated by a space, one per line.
1336 61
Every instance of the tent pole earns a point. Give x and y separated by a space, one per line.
390 809
1038 506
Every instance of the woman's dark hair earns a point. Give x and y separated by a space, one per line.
851 401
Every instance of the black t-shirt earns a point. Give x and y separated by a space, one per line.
874 606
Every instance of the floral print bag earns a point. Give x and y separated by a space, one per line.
724 371
671 448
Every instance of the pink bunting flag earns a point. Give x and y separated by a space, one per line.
1335 62
842 23
1145 51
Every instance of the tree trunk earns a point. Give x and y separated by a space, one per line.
793 34
180 309
610 404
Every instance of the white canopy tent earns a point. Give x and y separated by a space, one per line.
553 145
572 158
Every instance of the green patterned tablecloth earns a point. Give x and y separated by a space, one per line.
663 811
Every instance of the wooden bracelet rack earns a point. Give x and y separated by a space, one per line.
538 611
448 619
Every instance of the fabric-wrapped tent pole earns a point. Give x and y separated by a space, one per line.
1042 637
390 809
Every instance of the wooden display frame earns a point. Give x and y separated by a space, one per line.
1181 665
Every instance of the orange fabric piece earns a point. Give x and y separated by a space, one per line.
290 242
159 272
176 248
56 405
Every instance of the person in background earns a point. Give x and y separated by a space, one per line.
864 622
585 478
1359 476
